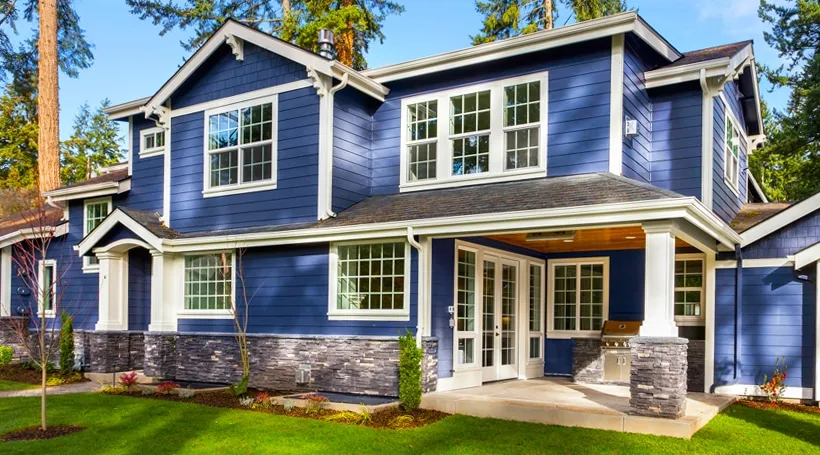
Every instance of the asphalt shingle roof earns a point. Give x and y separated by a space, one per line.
709 53
35 218
751 215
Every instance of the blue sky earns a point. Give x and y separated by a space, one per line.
133 61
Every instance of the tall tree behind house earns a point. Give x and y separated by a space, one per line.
48 138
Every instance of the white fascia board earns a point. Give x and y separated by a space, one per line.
356 80
32 233
685 73
782 219
546 39
807 256
126 109
118 217
89 191
757 185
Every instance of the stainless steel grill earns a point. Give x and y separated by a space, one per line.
615 348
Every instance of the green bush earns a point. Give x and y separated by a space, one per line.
66 344
6 353
32 365
409 372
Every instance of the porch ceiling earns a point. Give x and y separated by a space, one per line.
602 239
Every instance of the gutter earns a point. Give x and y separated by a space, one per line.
422 284
327 210
738 313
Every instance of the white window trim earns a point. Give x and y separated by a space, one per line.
728 113
551 332
240 188
153 151
334 314
41 286
684 321
542 333
497 159
87 266
183 313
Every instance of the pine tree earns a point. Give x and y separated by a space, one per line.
18 139
48 100
94 144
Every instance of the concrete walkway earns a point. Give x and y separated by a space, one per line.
80 387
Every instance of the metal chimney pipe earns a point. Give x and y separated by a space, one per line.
326 43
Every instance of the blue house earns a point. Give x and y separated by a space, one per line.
500 202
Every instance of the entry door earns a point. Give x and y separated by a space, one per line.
499 319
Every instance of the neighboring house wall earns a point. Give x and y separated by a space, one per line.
726 204
352 143
578 108
778 314
147 173
676 139
801 234
288 294
638 58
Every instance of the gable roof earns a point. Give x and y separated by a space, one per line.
711 53
752 214
781 219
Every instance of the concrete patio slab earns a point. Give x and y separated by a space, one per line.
562 402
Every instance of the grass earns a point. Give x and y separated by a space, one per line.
6 386
135 426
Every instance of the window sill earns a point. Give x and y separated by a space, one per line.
150 153
473 179
205 314
91 269
731 186
369 316
49 314
689 321
239 189
569 334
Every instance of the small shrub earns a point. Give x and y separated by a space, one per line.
186 393
6 354
32 365
241 387
112 390
775 387
128 380
366 416
315 402
403 421
409 372
164 388
56 380
66 344
289 405
344 417
246 402
262 401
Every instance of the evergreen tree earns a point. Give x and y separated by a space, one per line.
93 145
789 164
356 23
585 10
18 138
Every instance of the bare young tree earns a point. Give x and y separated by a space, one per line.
240 317
37 331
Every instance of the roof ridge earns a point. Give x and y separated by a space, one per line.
647 186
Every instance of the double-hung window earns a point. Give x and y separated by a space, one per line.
370 280
152 142
240 148
94 212
578 296
208 283
47 286
689 289
731 155
494 131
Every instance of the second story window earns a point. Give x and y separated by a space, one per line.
241 148
94 212
495 131
152 142
731 156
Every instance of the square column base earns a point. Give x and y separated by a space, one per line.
657 384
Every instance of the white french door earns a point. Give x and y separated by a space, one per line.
499 317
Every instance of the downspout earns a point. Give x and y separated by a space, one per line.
422 282
328 209
738 311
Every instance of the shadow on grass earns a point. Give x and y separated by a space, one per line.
781 422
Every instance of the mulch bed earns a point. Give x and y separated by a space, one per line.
17 373
392 418
794 407
33 433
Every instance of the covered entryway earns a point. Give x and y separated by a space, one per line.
125 285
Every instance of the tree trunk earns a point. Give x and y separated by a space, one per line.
547 14
47 99
344 42
285 7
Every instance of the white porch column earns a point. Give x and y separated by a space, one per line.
659 287
5 281
113 291
163 289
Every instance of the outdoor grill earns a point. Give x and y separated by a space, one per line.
615 337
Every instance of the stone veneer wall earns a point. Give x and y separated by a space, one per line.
657 384
9 335
587 361
365 365
696 368
115 351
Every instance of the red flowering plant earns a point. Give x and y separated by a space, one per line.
166 387
315 402
775 387
128 380
262 401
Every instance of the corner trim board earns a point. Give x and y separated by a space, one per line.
616 105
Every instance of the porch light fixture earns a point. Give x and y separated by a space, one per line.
546 236
630 237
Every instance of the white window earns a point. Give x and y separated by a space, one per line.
208 284
466 331
536 304
689 289
152 142
496 132
94 212
370 281
240 148
578 296
731 155
47 286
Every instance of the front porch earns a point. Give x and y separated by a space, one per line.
554 401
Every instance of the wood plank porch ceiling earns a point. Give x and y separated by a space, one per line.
603 239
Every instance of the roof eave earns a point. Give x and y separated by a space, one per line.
127 109
88 191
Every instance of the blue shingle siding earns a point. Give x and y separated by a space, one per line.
798 235
223 76
352 141
726 204
147 173
294 199
637 106
289 286
778 321
676 139
579 87
139 289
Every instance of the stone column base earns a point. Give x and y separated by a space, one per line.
9 335
115 351
657 384
429 365
160 355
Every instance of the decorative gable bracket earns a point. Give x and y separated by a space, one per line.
237 46
162 113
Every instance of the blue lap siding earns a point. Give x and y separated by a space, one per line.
139 289
352 143
638 58
147 173
726 204
676 139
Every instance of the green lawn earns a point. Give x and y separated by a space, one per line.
11 385
137 426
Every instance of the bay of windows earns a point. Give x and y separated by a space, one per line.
208 282
494 130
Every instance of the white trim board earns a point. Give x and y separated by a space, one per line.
5 281
781 220
720 67
817 332
807 256
795 393
89 191
616 106
756 263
